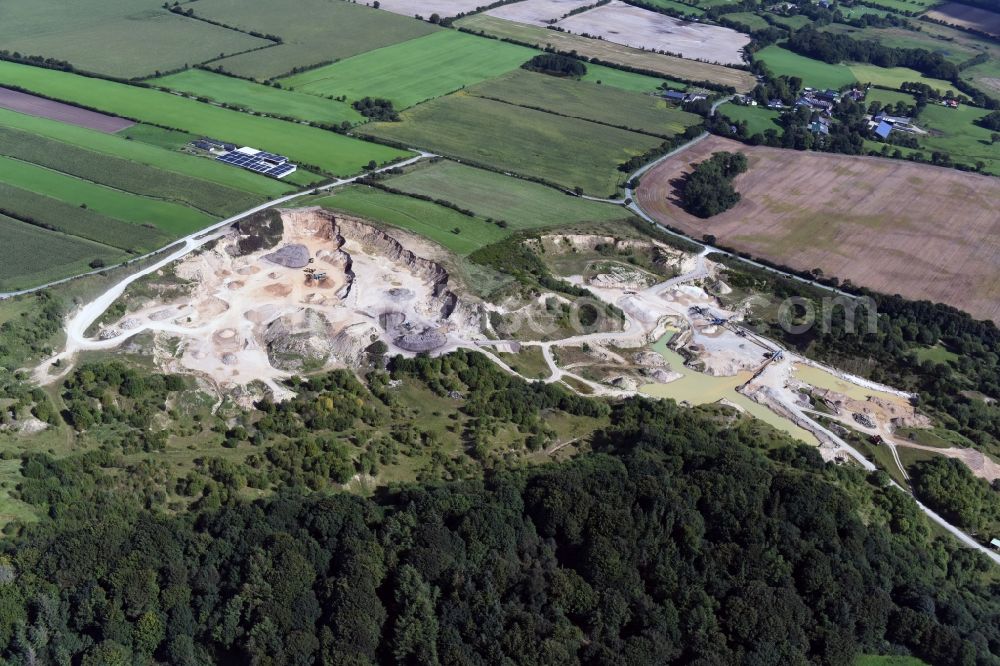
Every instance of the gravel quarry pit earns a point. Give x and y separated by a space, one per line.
261 317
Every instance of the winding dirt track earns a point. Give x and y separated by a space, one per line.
897 227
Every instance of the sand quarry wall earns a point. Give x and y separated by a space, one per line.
897 227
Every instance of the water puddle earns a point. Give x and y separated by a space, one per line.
697 388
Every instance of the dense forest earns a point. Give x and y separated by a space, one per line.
678 540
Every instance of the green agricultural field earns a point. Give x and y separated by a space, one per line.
313 32
857 11
414 71
985 76
421 217
22 246
749 20
122 38
58 215
889 97
581 99
310 146
565 151
174 219
136 151
259 97
123 174
158 136
617 78
813 72
953 131
759 119
894 77
522 204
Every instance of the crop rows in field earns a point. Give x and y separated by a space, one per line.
123 174
312 32
309 146
31 255
414 71
52 213
120 38
580 99
564 151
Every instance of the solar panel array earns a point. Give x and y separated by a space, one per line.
267 164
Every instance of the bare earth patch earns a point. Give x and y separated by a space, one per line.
896 227
424 8
643 29
538 12
967 17
74 115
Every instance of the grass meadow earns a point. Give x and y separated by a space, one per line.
310 146
259 97
564 151
954 131
813 72
522 204
589 101
617 78
416 70
894 77
333 30
758 119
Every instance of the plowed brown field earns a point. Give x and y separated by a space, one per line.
896 227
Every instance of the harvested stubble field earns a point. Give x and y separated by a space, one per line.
566 151
967 17
667 66
426 8
644 29
310 146
312 32
538 12
920 231
414 71
581 99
